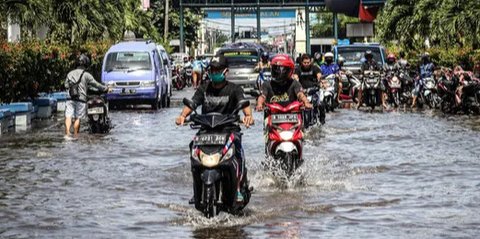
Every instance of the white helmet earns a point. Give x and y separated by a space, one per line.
328 54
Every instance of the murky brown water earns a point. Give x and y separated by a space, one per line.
375 175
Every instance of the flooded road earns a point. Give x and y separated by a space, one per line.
375 175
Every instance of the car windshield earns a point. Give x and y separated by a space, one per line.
241 57
354 56
128 61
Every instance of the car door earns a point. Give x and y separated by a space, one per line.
158 75
167 68
162 73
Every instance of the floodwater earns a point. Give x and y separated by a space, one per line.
366 175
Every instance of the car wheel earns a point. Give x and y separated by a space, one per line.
163 101
155 105
155 102
168 98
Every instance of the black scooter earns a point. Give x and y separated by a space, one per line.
317 114
214 162
97 112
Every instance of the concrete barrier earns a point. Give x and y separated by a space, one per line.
7 120
46 107
23 112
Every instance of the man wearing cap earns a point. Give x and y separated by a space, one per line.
221 96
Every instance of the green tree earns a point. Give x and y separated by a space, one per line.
192 19
447 23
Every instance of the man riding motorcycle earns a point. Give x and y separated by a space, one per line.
370 64
282 88
221 96
309 76
426 70
262 66
264 62
306 73
391 68
329 68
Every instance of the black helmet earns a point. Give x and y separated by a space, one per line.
83 60
264 56
368 54
426 57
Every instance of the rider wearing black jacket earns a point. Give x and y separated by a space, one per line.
370 64
222 97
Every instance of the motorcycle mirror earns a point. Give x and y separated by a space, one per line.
241 104
190 104
255 93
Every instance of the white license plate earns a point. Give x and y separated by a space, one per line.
284 118
210 139
95 110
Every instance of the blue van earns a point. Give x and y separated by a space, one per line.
135 72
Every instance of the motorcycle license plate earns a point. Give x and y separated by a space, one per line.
371 81
95 110
284 118
210 139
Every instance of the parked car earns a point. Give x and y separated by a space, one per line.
242 59
354 55
168 67
134 71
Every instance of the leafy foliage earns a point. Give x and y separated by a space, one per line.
447 23
80 21
30 67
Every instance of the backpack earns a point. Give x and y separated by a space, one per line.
73 90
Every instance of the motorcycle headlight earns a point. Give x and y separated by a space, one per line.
210 160
147 83
286 135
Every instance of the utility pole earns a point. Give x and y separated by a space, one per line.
165 29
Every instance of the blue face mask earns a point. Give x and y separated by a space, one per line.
217 77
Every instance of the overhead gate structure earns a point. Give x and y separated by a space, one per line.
242 6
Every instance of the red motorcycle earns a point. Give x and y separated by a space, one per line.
284 127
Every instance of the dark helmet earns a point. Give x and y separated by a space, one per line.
83 60
368 54
426 57
282 68
264 56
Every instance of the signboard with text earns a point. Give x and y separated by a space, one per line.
280 13
262 3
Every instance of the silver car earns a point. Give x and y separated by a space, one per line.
241 64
